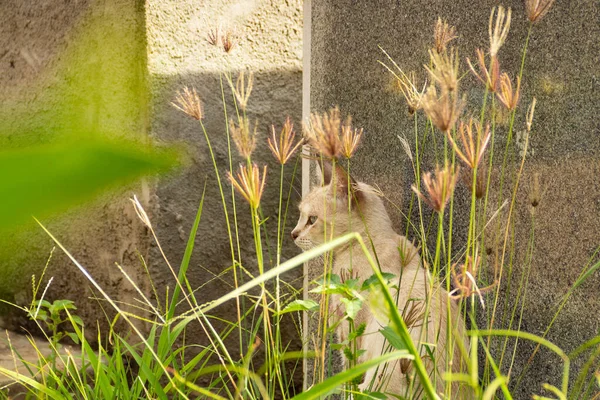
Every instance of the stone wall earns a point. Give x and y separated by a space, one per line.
560 71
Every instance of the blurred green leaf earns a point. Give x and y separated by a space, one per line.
373 281
300 305
39 180
393 338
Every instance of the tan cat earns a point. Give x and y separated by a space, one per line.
325 209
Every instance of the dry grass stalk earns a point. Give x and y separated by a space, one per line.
443 111
473 145
350 138
141 213
506 95
464 280
188 101
439 188
407 251
536 9
243 136
284 148
489 77
500 30
414 314
249 183
406 147
243 89
443 34
323 133
445 69
530 111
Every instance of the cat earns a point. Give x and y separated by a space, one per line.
324 213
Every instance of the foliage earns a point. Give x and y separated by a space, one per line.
162 362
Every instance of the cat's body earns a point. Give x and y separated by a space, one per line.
325 214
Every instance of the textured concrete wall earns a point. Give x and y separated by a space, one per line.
269 44
72 68
87 65
561 71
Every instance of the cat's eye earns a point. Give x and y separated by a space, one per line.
312 219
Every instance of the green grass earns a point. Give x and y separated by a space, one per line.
248 356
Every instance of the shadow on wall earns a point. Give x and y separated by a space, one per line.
275 95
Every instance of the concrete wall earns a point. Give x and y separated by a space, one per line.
269 45
91 64
68 69
561 71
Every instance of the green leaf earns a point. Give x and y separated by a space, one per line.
373 280
393 338
329 385
43 179
187 255
64 305
300 305
351 283
45 303
77 320
337 346
32 383
353 306
41 315
73 337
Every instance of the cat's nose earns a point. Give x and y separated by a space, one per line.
295 235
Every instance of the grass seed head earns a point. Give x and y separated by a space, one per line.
249 183
443 33
474 142
444 110
141 213
506 95
188 101
499 32
489 77
350 138
439 188
323 133
464 280
530 112
444 70
284 147
243 89
244 136
407 85
228 40
214 37
536 9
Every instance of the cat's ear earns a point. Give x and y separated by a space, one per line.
344 184
326 173
318 175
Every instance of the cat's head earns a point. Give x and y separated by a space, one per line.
326 213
